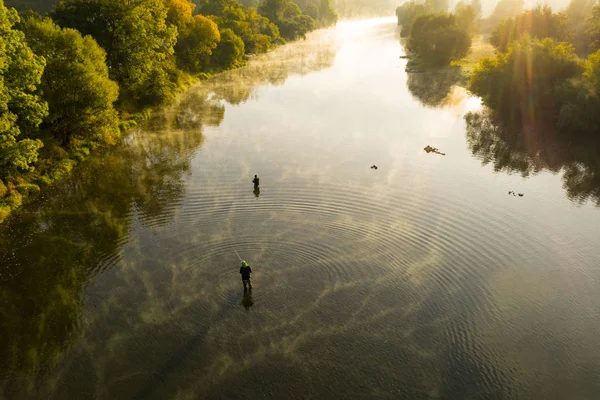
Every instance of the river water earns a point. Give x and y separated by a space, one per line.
423 278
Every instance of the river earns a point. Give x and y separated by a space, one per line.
423 278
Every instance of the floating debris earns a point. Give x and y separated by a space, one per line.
430 149
373 166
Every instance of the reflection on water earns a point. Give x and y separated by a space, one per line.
421 279
247 300
529 151
433 88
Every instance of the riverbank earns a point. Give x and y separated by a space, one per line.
56 163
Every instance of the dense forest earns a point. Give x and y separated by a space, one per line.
76 73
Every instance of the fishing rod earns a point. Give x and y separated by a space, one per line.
236 253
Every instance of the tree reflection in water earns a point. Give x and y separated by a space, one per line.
432 88
529 150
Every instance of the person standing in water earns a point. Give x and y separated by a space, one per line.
256 181
245 270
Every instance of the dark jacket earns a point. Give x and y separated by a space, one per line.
256 181
245 271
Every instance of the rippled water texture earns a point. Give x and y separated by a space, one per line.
421 279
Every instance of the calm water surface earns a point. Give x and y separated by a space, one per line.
421 279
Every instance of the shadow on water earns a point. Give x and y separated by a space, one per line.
530 150
78 228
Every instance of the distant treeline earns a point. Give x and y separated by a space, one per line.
71 80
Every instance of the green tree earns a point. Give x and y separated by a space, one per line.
180 13
75 84
539 22
526 82
137 40
21 109
257 32
288 17
407 13
437 39
321 11
230 51
197 43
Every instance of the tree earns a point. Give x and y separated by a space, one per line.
526 82
437 39
137 40
539 22
257 32
21 109
75 84
407 13
180 13
321 11
288 17
230 51
197 43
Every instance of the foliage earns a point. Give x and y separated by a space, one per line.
257 32
407 13
321 11
539 22
196 44
437 39
21 109
230 51
75 84
288 17
137 40
524 83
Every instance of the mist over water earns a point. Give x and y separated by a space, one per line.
421 279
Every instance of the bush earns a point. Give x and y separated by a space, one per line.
437 39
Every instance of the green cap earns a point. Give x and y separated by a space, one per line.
244 264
